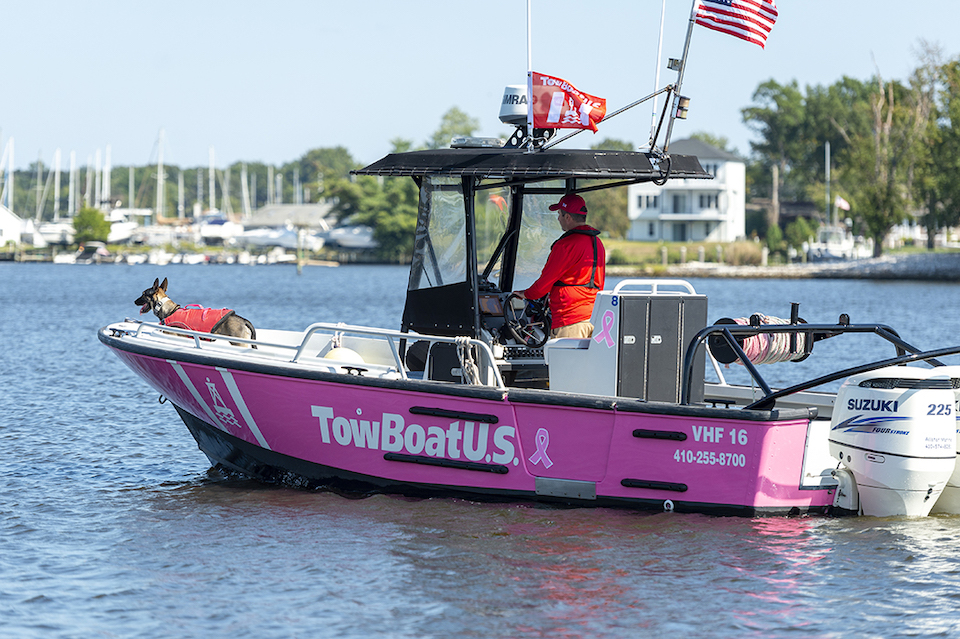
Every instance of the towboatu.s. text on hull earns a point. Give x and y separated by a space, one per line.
469 398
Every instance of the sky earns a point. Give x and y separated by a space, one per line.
267 81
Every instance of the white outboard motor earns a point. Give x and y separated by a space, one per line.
949 502
894 429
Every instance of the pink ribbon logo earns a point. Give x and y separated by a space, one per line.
540 455
605 333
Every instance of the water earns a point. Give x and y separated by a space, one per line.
111 524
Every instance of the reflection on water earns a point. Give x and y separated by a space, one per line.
111 524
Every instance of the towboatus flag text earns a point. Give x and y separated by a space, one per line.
557 104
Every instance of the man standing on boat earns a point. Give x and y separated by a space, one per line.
574 272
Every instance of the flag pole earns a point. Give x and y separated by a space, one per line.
683 66
529 80
656 82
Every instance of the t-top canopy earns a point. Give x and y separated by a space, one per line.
517 164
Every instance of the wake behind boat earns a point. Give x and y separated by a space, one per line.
470 398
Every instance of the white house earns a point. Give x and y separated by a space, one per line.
10 226
692 210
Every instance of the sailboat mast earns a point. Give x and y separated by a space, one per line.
6 193
39 183
107 168
213 183
831 218
72 191
244 191
160 177
97 189
56 185
89 183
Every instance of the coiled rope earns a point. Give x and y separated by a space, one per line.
469 368
771 348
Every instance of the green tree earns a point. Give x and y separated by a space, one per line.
936 187
453 123
774 239
389 208
834 114
319 165
89 225
881 165
778 117
608 207
799 231
716 141
947 151
401 145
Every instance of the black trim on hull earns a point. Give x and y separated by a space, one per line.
499 469
276 468
454 414
645 433
653 485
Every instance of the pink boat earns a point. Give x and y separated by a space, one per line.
469 398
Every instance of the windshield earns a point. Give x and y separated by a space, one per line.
492 211
538 231
439 252
439 256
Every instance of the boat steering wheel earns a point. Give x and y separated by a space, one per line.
529 326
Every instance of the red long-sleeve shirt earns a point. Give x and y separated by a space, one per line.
571 262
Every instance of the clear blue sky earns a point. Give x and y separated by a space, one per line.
268 80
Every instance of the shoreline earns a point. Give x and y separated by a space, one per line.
935 267
940 267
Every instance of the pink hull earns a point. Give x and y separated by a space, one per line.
510 443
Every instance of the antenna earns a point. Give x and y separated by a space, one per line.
656 81
683 65
529 78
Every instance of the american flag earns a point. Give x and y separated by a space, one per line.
749 20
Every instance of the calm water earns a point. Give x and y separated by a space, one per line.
111 524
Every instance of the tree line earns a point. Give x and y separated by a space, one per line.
895 146
895 154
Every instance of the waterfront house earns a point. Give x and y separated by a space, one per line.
10 226
692 210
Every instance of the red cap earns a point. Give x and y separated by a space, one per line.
571 203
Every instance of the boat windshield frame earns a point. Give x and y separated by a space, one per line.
484 223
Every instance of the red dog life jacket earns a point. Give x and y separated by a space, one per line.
196 318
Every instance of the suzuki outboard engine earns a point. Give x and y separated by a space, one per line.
894 429
949 501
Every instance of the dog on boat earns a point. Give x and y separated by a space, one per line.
222 321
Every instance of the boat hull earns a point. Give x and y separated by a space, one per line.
358 433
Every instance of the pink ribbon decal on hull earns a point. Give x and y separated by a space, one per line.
540 455
605 333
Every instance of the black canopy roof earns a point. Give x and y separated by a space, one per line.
518 164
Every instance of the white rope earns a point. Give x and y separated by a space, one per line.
337 340
468 367
770 348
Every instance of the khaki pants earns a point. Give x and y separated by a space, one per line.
582 330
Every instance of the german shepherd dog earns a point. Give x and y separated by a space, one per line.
195 318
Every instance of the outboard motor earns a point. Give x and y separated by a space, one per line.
949 502
894 429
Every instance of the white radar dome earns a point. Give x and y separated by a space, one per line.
513 107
